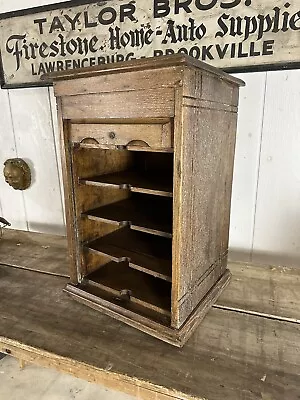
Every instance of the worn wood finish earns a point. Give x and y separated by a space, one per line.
177 60
144 289
270 291
190 146
135 182
34 251
155 102
204 152
149 253
64 128
264 290
155 136
85 163
231 356
143 80
141 212
156 325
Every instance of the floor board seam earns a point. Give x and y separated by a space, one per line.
34 270
258 314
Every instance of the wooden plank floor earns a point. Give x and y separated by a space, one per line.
232 355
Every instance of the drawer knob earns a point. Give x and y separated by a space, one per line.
125 295
111 135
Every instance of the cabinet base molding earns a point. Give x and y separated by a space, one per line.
176 337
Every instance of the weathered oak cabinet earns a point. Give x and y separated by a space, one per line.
148 150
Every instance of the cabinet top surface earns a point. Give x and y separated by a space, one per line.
176 60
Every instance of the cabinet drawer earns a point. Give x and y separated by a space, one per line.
156 136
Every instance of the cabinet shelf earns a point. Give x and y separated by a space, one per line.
145 290
147 253
131 180
141 212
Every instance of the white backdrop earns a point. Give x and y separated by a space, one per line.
265 217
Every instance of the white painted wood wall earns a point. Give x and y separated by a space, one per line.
265 217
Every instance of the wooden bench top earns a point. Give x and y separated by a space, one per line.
248 346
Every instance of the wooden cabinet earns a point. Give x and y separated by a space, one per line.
148 149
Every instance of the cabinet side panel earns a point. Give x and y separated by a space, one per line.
206 180
68 193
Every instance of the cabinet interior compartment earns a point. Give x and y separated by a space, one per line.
140 212
132 290
137 171
124 208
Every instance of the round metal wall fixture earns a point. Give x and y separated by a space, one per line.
17 173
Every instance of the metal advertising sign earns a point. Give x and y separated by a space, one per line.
235 35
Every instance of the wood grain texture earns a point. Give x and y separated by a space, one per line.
151 254
135 181
143 289
271 291
232 356
209 105
150 63
215 89
156 324
84 163
157 103
203 214
155 136
34 251
68 196
167 77
204 130
259 289
245 175
141 212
